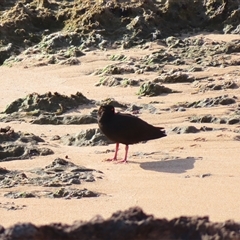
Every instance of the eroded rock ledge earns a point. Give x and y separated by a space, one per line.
132 224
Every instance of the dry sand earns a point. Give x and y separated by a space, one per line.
187 174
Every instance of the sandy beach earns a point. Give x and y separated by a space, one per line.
194 174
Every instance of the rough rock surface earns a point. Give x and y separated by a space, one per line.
66 120
132 224
18 145
58 31
89 137
54 103
58 180
211 102
153 89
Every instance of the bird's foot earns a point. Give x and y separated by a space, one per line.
122 161
110 160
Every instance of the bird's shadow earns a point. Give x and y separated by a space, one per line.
177 165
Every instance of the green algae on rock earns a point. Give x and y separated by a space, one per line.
117 81
153 89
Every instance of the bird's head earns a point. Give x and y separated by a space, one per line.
106 111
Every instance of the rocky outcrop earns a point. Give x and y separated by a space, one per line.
47 27
132 224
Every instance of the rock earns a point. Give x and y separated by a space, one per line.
115 69
16 195
159 57
227 101
56 103
229 119
210 102
5 52
73 193
90 137
117 81
234 120
16 146
44 3
203 119
118 57
152 89
21 231
174 42
131 224
177 77
59 174
66 120
183 130
233 47
215 85
113 102
35 30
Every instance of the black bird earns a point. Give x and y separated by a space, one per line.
125 128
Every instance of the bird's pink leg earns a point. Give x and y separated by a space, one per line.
115 155
125 158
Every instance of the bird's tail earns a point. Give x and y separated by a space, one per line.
162 132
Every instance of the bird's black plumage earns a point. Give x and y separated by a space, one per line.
126 128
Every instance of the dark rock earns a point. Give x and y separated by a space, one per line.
233 47
5 52
21 231
222 121
227 101
3 171
132 224
56 30
234 120
205 129
203 119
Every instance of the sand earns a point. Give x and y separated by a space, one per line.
186 174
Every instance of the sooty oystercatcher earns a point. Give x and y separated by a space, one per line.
125 128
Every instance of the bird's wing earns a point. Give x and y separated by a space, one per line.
131 129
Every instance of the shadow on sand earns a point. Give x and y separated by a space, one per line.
178 165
